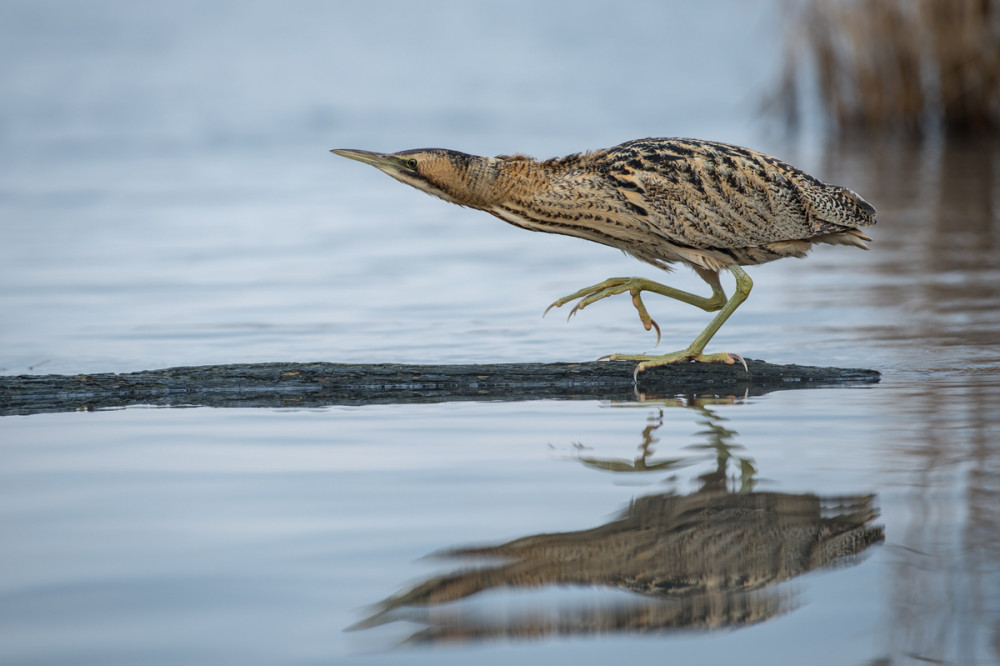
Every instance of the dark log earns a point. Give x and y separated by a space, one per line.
320 384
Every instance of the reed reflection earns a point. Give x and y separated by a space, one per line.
933 279
711 559
934 287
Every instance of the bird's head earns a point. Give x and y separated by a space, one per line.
448 174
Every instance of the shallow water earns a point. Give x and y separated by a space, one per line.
167 200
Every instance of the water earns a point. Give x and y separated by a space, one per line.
166 199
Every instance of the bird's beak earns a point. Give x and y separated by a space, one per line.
378 160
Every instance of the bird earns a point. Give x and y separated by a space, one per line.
711 206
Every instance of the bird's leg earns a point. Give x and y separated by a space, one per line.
635 286
695 349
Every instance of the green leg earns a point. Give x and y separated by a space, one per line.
635 286
695 349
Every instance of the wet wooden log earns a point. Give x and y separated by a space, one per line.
321 384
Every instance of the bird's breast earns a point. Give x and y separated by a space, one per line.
517 218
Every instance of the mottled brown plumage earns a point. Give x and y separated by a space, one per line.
711 559
709 205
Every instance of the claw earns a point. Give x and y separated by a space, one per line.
727 358
644 317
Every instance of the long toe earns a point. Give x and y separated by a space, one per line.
685 356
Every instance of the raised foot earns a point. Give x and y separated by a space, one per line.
611 287
685 356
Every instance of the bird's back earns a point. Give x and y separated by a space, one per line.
700 202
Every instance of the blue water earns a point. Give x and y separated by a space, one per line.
166 199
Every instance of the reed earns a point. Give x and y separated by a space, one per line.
904 65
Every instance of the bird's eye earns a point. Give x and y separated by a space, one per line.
411 163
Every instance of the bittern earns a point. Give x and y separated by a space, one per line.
709 205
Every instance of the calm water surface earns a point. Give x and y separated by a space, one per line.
166 199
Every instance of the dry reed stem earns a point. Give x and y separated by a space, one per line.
905 65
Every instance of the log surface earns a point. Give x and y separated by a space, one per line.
320 384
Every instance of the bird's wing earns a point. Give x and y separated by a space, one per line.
711 195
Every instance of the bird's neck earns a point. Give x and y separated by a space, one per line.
486 182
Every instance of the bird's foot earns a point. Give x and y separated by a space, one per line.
685 356
611 287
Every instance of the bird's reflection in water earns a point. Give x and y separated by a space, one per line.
716 440
710 559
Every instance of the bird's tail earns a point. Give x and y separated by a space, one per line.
854 237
